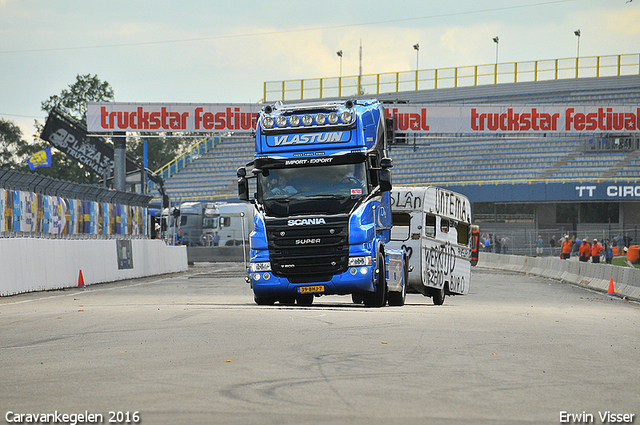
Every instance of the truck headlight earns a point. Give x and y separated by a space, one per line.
346 117
267 122
359 261
321 119
307 120
281 121
261 267
294 120
333 118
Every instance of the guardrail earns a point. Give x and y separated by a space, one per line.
626 280
470 75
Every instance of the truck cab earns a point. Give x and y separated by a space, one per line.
322 217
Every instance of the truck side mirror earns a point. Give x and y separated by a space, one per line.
386 163
385 180
243 184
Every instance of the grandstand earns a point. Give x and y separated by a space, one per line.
494 168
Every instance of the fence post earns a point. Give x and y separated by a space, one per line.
475 75
495 74
577 66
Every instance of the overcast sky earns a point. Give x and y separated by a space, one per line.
223 51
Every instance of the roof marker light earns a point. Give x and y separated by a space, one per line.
281 121
321 119
346 117
333 118
307 120
294 120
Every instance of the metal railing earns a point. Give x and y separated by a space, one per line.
181 161
461 76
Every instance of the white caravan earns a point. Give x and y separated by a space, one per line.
433 225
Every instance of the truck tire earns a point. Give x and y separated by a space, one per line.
397 299
357 298
305 299
438 296
379 297
264 300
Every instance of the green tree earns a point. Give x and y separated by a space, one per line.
11 142
72 101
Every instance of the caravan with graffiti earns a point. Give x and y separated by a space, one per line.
433 225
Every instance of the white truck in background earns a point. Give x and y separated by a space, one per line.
201 221
433 225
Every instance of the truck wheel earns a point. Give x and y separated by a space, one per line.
306 299
397 298
438 296
379 297
357 298
264 300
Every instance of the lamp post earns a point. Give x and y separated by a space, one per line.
577 34
339 53
496 40
417 49
495 76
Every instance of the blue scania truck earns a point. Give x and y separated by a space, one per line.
323 211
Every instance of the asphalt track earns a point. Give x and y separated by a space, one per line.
193 348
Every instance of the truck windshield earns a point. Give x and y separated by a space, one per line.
310 190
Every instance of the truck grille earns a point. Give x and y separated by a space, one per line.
308 252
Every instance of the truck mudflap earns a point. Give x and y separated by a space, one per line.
395 269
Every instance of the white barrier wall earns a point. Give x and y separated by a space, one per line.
626 280
32 264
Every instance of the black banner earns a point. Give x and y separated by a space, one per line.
70 136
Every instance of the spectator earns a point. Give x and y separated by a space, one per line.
487 242
179 239
216 239
596 249
627 240
506 242
552 245
620 244
608 252
498 244
585 251
566 247
539 246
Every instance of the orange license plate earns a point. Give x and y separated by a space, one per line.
311 289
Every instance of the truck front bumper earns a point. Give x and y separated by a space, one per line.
355 279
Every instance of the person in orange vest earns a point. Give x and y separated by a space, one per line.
596 249
585 251
566 247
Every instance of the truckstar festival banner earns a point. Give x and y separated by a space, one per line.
491 119
452 119
175 117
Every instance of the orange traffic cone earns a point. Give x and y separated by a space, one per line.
611 291
80 280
